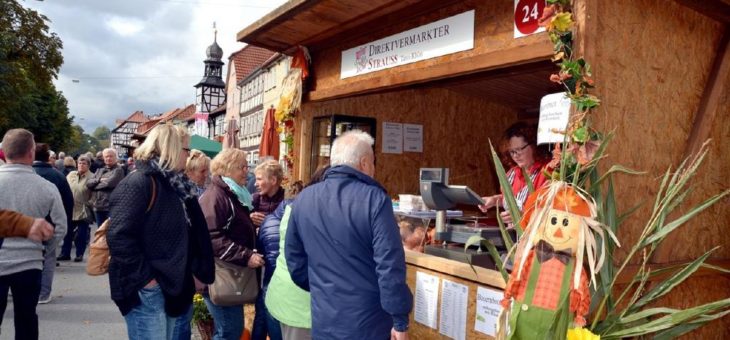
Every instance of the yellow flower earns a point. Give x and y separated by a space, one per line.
581 334
562 22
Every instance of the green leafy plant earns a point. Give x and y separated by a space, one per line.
200 310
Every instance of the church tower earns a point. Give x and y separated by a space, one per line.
210 91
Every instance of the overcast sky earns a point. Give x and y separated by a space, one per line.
147 55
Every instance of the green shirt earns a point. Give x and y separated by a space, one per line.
285 301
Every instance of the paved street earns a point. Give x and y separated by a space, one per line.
81 308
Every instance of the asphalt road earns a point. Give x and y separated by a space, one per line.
81 308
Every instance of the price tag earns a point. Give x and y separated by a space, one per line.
527 13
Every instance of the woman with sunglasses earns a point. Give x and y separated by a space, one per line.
520 151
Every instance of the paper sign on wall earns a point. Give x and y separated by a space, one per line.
427 293
412 138
392 137
488 309
554 115
454 303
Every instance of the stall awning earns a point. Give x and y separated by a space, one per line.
319 23
209 147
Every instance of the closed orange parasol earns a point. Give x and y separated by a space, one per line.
269 138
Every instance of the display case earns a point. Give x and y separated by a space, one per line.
325 129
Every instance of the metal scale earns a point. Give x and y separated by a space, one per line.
438 195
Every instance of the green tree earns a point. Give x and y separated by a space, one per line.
103 135
30 58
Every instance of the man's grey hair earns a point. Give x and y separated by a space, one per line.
111 150
350 148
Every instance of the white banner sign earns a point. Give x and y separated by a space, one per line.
554 114
446 36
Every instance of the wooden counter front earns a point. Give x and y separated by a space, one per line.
453 271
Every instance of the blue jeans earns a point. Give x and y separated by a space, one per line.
101 216
263 323
227 321
26 286
81 239
149 321
49 267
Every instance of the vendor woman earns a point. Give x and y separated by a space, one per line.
519 150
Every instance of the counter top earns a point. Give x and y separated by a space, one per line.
462 270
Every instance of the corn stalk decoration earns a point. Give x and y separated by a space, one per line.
616 312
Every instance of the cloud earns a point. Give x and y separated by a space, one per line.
140 54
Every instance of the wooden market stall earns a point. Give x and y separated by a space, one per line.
661 69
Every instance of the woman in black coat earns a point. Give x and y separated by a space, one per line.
158 240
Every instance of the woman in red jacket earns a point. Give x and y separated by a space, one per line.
520 151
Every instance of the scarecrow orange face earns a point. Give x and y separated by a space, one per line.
561 230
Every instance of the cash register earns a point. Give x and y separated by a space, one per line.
438 195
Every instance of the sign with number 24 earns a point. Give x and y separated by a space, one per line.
527 13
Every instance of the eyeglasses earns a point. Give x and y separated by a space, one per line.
518 151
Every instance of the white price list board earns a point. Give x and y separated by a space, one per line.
427 293
454 303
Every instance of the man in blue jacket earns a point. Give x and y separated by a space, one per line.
343 245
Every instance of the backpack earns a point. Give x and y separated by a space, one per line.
99 257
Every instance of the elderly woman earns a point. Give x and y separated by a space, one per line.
158 240
269 194
269 175
520 151
68 165
196 168
82 213
227 207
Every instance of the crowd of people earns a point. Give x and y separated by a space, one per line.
328 254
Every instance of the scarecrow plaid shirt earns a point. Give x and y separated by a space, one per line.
547 289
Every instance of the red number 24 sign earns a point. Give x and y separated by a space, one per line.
527 13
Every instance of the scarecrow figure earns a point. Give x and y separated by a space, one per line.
549 278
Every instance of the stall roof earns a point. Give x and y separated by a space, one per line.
316 23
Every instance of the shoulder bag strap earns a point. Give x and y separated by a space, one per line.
154 194
227 227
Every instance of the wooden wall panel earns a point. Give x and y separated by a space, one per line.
493 33
651 61
650 93
457 129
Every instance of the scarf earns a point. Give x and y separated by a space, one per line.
184 188
242 193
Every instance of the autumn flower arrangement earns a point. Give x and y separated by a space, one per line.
201 317
616 311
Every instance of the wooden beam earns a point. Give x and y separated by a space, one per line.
715 9
278 15
538 51
709 104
